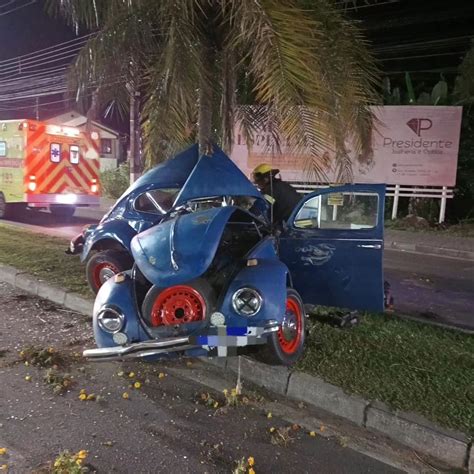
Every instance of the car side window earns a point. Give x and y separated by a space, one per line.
156 201
342 211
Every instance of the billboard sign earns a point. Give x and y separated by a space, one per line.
411 145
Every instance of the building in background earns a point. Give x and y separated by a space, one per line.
102 142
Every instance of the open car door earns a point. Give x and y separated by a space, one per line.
333 246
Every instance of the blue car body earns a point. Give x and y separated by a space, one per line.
124 221
226 262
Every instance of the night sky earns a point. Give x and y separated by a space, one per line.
30 29
425 37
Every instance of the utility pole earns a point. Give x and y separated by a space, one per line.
37 109
135 155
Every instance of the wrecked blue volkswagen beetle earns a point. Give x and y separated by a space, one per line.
106 246
211 278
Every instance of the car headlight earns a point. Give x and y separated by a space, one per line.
247 301
110 319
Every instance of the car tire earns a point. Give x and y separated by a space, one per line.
103 265
178 304
62 211
286 347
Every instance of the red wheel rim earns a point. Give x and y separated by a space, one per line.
291 330
177 305
102 272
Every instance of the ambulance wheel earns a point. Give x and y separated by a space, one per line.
104 265
3 206
285 346
62 211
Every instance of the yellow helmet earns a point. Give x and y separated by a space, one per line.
263 168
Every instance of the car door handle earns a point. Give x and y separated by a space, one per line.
370 246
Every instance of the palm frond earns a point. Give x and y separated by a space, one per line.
172 80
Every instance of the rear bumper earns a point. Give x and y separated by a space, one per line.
216 340
66 199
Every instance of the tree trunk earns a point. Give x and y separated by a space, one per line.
206 101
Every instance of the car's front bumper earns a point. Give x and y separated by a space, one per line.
217 341
76 245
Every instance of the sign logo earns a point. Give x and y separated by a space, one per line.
419 124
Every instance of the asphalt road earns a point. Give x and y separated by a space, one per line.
440 289
165 425
436 288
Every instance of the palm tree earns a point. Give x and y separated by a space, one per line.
298 68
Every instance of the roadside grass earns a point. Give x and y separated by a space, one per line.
43 257
407 365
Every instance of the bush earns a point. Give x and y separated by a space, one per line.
115 181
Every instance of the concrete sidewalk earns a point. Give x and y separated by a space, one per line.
434 242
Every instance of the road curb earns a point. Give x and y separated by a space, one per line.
470 461
420 434
409 429
30 284
315 391
428 249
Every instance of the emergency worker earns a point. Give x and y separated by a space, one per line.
282 197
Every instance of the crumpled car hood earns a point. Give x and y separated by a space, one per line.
180 249
169 174
216 175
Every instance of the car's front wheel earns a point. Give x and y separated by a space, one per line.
104 265
285 346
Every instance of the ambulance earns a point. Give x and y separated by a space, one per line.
46 166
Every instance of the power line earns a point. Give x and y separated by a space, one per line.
438 43
9 2
454 53
371 5
49 72
31 106
42 52
30 2
62 54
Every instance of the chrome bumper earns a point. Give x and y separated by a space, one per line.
151 348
